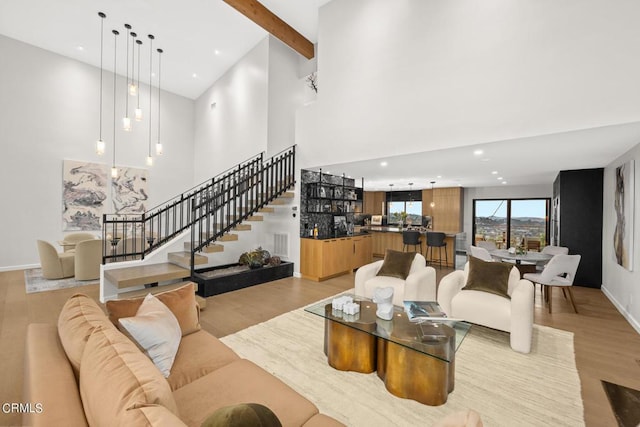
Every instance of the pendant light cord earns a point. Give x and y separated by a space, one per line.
159 80
115 48
150 85
102 16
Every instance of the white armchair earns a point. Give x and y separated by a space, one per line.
420 284
513 315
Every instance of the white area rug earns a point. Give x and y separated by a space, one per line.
36 283
505 387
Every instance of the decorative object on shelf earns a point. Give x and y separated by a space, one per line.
339 302
383 297
312 81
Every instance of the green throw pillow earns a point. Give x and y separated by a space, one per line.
242 415
396 264
492 277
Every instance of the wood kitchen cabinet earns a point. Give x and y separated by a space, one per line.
326 258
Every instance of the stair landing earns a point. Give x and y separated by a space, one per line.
142 275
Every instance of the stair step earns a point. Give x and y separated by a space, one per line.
145 274
279 202
227 238
287 195
242 227
267 209
210 249
183 259
255 218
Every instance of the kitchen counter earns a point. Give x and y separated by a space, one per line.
388 229
334 236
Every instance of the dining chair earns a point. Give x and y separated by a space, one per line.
411 238
551 250
479 252
560 272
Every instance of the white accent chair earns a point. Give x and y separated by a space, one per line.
55 265
88 259
551 250
420 284
559 271
482 253
513 315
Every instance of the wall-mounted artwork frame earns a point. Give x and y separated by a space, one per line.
84 194
624 201
130 190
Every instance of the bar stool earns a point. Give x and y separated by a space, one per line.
411 238
437 240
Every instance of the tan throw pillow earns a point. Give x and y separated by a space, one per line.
492 277
116 377
396 264
157 332
181 302
80 315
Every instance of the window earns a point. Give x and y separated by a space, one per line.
512 222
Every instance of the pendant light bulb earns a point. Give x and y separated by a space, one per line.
133 89
126 124
158 148
100 146
149 161
432 204
138 114
114 172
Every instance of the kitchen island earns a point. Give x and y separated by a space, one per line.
389 237
330 256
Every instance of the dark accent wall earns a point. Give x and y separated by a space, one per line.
580 227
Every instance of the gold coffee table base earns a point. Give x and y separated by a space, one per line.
410 374
349 349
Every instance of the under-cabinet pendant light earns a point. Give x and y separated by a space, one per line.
100 145
114 169
138 113
126 121
158 143
432 204
151 37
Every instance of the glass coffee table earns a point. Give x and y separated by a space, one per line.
414 360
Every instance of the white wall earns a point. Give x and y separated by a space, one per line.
619 284
256 102
407 76
49 112
502 192
236 127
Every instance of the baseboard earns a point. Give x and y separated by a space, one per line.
633 322
19 267
297 275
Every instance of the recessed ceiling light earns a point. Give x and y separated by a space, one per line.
383 164
504 182
217 52
79 48
153 74
486 159
499 178
439 176
478 153
494 172
194 75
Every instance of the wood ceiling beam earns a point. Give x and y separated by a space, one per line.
255 11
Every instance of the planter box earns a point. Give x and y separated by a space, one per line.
208 286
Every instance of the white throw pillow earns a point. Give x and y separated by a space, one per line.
157 331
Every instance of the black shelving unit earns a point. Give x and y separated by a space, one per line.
577 221
325 196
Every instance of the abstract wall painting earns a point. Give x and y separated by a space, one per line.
130 192
84 192
624 213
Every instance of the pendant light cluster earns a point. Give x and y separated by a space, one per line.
132 88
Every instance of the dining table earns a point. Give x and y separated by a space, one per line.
525 262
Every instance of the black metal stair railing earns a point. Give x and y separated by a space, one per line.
230 197
238 195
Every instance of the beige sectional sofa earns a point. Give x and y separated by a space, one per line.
86 371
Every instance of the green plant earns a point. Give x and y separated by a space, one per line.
255 258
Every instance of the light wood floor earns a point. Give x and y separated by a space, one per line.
606 346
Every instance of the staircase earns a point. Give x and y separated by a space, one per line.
204 218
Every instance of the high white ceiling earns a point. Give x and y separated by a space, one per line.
201 37
206 37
